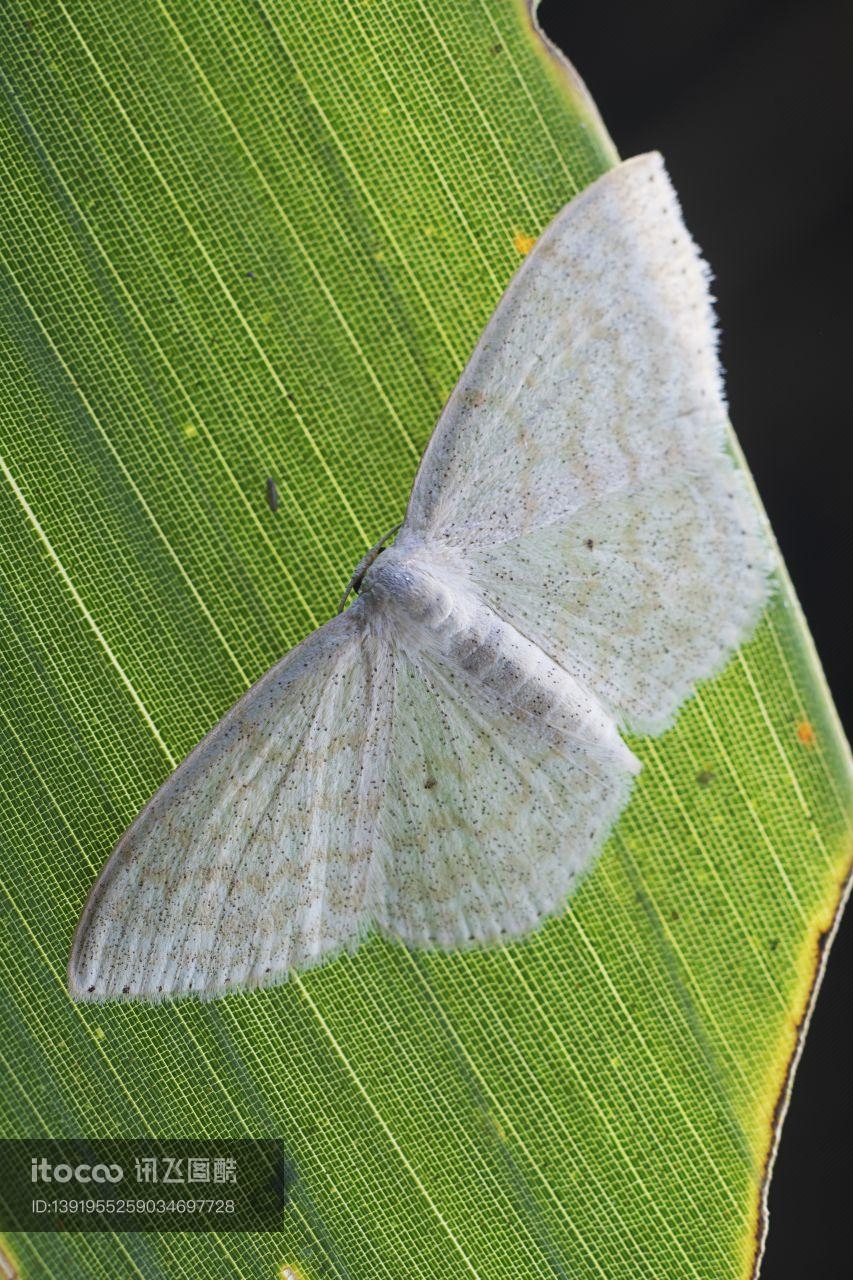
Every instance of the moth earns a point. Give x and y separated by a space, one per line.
443 760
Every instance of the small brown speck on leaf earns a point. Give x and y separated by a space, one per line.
705 777
806 734
430 783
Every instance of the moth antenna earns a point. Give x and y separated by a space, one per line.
364 564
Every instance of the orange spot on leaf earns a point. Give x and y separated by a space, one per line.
806 734
523 243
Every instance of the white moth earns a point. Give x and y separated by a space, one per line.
442 762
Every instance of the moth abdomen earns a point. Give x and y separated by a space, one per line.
432 607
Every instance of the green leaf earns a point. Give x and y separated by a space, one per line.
246 241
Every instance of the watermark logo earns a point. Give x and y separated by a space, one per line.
180 1184
41 1170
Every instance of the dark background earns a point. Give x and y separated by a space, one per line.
752 106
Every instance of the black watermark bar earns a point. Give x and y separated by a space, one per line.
146 1184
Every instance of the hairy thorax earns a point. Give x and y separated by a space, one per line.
431 604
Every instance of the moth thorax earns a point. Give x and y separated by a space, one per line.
402 585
